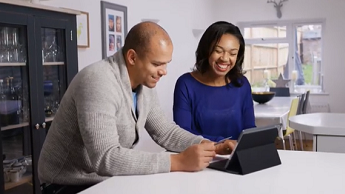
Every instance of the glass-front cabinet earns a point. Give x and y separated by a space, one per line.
38 59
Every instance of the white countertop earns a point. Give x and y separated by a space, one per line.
320 123
278 107
300 172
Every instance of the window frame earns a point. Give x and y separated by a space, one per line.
291 25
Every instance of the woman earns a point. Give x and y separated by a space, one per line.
214 100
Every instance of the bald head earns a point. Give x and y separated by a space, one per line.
143 36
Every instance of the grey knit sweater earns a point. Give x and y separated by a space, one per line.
95 129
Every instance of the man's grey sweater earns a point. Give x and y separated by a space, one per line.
95 129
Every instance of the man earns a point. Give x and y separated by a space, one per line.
96 126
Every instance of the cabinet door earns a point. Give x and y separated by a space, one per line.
56 51
16 98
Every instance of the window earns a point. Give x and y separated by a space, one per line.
290 48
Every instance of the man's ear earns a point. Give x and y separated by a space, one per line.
131 56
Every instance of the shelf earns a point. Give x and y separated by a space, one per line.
48 119
25 179
23 64
25 124
53 63
8 127
11 64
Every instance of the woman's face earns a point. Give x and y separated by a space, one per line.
223 57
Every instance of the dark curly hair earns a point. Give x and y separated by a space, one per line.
207 44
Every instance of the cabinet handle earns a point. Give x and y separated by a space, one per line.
44 125
37 126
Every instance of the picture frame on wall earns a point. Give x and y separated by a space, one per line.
83 33
114 27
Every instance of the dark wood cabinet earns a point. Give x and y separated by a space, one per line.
38 59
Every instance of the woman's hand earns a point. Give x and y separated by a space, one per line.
226 147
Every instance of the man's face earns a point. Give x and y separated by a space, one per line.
153 64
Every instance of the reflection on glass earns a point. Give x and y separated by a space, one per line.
14 96
52 88
52 45
54 74
11 47
14 111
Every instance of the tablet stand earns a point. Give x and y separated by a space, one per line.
249 160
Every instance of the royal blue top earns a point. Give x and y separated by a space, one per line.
213 112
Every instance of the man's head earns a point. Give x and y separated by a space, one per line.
147 51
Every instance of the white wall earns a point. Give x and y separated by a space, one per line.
178 17
332 10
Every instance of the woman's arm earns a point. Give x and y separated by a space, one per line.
248 106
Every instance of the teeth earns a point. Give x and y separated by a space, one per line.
222 66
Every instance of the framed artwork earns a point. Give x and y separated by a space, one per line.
114 27
83 37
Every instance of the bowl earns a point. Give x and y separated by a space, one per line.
262 97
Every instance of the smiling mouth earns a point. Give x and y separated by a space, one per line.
222 66
157 79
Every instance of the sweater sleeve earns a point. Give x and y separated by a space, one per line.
167 134
96 104
248 106
182 110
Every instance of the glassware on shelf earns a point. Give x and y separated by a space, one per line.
3 105
10 103
11 48
13 104
51 50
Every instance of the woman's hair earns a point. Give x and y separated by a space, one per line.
208 43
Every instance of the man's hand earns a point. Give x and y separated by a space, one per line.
206 141
195 158
226 147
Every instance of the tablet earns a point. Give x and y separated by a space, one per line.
255 150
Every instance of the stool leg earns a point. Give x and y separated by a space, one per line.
295 140
301 140
291 143
283 143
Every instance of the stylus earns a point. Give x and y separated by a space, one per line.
223 140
